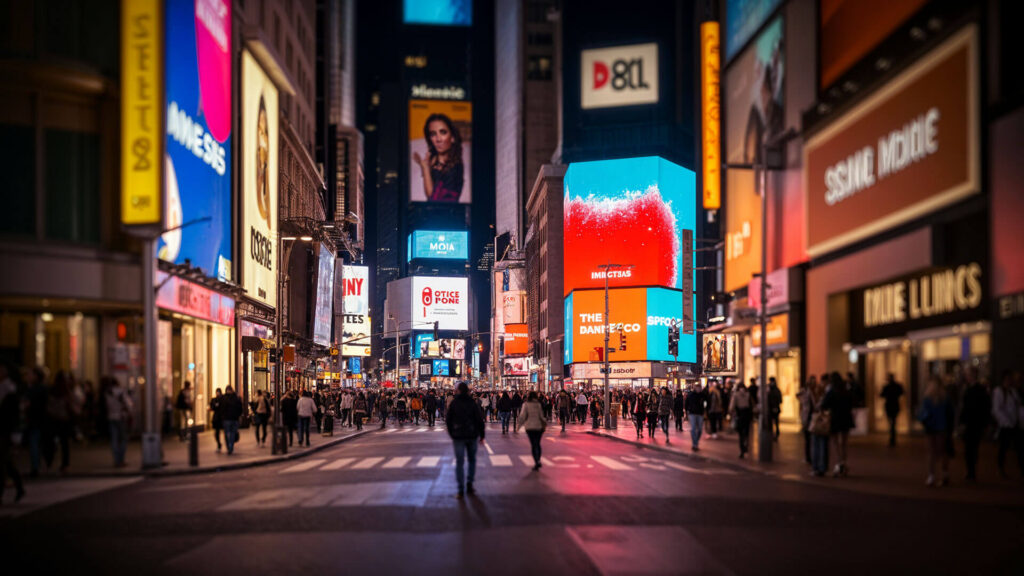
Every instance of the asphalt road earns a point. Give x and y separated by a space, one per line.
384 504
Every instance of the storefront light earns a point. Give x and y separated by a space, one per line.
46 317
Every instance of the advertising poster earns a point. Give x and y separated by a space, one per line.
355 310
742 19
444 245
440 141
324 294
619 76
440 299
755 85
259 182
441 368
517 339
515 366
197 166
719 353
630 212
438 12
447 348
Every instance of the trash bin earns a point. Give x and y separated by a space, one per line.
327 425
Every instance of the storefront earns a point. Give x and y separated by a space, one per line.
622 376
256 334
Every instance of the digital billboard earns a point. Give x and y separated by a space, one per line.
755 86
719 353
441 368
448 348
438 12
642 315
439 244
197 164
440 299
355 310
440 142
742 19
517 339
619 76
631 212
324 295
259 182
515 366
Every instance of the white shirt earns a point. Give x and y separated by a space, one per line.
118 403
306 407
582 399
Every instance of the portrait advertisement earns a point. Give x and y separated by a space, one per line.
440 141
755 88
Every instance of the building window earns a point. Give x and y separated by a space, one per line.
18 165
538 68
72 186
539 39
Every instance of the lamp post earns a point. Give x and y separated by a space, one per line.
607 391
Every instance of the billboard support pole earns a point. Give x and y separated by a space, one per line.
607 391
151 447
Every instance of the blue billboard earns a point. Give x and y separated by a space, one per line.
198 155
743 18
664 307
418 345
438 12
439 244
355 365
441 368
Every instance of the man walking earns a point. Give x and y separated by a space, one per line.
774 404
891 392
664 410
346 408
231 411
564 406
695 402
581 407
974 416
430 406
465 423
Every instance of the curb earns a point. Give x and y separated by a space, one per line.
690 455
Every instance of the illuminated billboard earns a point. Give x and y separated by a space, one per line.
742 20
517 339
439 244
355 310
197 166
719 353
440 142
441 368
631 212
642 315
447 348
438 12
259 182
324 294
515 366
754 98
440 299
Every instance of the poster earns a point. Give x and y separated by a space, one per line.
440 141
755 86
259 182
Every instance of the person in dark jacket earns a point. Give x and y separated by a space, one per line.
504 411
892 391
975 414
678 409
290 414
774 404
839 402
359 407
465 423
430 406
217 415
664 409
517 405
695 402
231 411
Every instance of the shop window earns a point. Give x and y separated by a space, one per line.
17 164
538 68
72 186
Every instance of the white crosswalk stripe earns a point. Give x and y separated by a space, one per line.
611 463
428 461
367 463
390 430
500 460
422 429
397 462
338 464
303 466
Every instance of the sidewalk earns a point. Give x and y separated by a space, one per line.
874 467
94 458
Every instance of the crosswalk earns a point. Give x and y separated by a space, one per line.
413 430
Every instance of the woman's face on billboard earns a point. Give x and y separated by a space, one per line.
440 136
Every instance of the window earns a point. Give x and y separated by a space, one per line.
539 39
72 186
538 68
17 164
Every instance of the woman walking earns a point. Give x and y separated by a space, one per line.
652 412
216 417
934 415
806 408
639 415
359 408
840 404
531 417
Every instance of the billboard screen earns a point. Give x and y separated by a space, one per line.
324 294
440 141
440 299
440 244
447 348
517 339
438 12
515 366
197 166
441 368
619 76
643 315
742 19
719 353
355 310
259 182
755 107
632 212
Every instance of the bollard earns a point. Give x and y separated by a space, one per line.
193 446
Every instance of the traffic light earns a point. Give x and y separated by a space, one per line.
673 340
436 338
622 340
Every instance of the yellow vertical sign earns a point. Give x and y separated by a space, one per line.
142 92
710 67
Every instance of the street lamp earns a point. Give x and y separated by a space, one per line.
607 391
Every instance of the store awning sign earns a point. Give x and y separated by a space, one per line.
189 298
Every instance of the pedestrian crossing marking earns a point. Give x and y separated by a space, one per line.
367 463
397 462
421 430
338 464
528 460
500 460
428 461
302 467
390 430
611 463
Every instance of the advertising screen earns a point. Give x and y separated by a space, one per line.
755 85
355 303
619 76
742 19
197 166
440 141
642 315
324 294
517 339
441 368
446 245
719 353
448 348
438 12
355 365
515 366
259 182
631 212
440 299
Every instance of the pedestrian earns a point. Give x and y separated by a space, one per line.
531 418
290 415
261 417
742 411
504 411
231 411
60 415
517 405
653 401
891 392
716 406
664 410
581 407
359 408
806 409
465 423
696 400
416 405
430 406
184 405
774 405
10 408
38 422
1006 409
119 410
544 404
974 416
934 416
305 408
401 409
564 407
345 407
678 409
216 415
596 410
839 403
820 427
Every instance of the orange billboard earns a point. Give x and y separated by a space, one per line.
742 229
517 339
627 315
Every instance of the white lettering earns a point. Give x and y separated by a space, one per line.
190 134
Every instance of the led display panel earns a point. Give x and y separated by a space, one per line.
440 145
438 12
439 244
324 294
440 299
259 182
355 303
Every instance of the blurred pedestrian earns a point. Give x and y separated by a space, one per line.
382 409
664 410
639 414
742 411
596 411
891 392
416 405
840 404
465 423
119 410
564 407
290 415
774 405
653 401
517 405
305 408
820 427
531 418
1006 409
806 408
10 408
38 422
60 413
430 406
581 407
504 411
360 410
184 404
716 406
974 416
934 416
217 415
696 399
261 417
345 406
231 411
678 409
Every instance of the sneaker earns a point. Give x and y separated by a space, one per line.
836 471
469 488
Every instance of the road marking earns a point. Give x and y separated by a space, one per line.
397 462
307 465
684 468
528 460
389 430
428 461
338 464
571 462
488 446
367 463
500 460
611 463
421 430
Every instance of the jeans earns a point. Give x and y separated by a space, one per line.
819 453
505 416
696 427
464 448
534 436
715 422
260 423
563 417
303 429
230 434
118 440
664 424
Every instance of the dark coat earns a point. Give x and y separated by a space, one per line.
464 420
289 411
231 407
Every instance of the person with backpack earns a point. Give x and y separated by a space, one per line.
416 405
465 423
531 418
